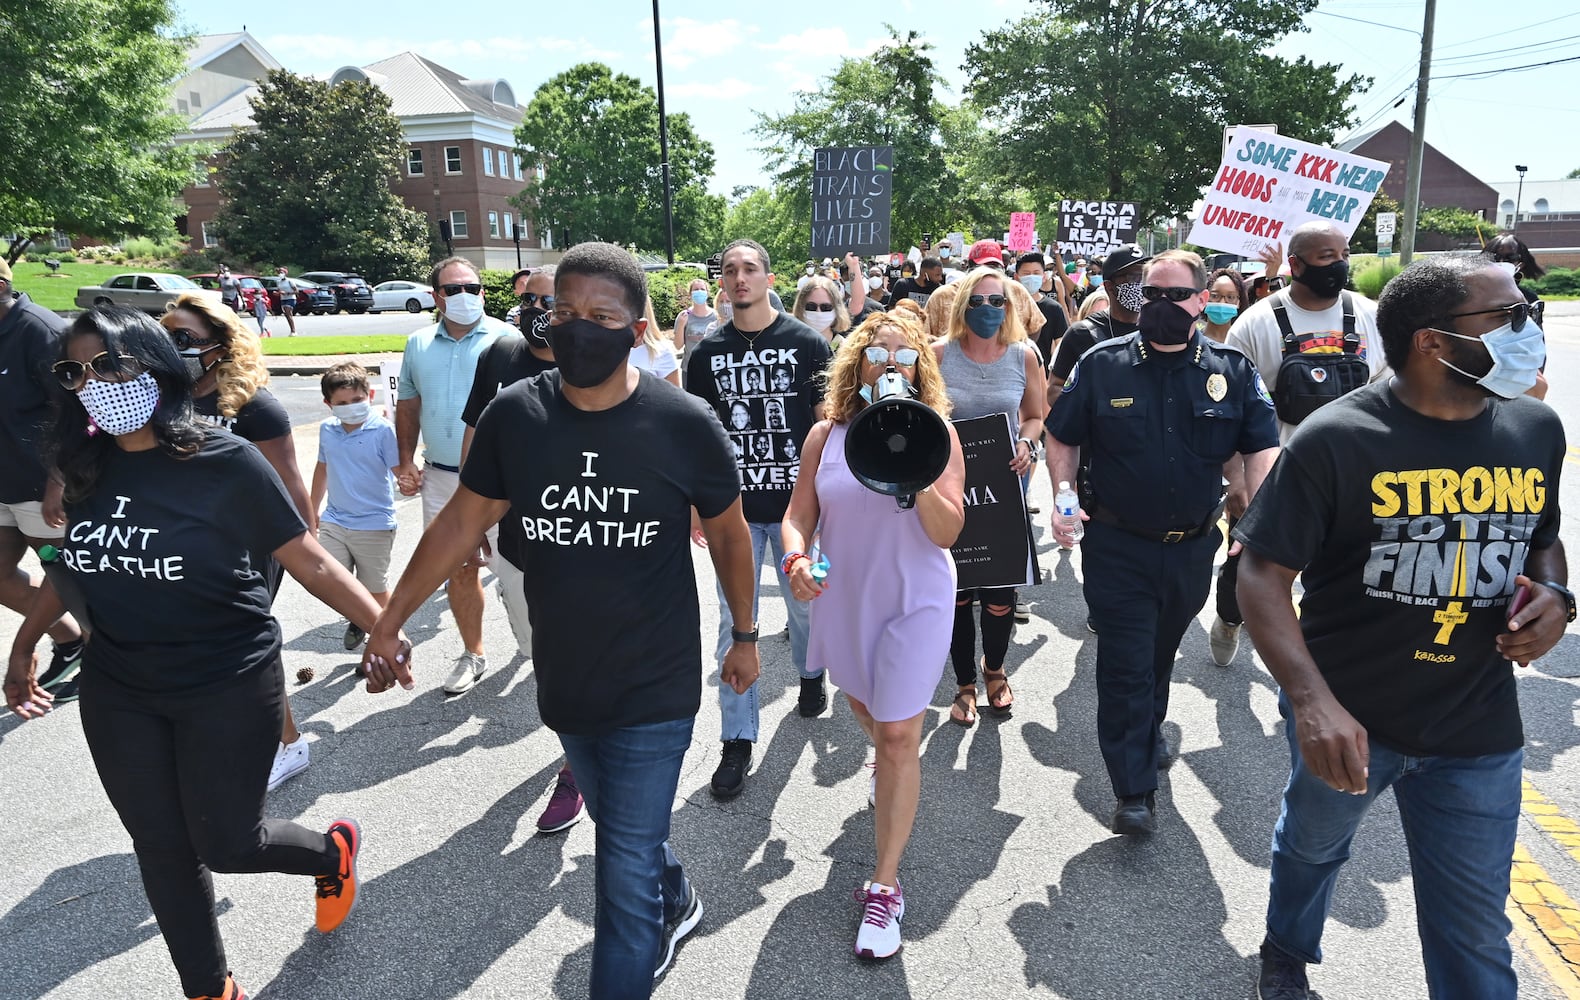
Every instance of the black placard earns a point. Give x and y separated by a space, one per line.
852 192
1093 228
994 548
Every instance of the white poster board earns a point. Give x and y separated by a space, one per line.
389 382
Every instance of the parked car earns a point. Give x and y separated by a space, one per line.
411 296
351 290
311 297
251 288
150 291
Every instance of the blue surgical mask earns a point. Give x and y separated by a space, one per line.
1517 357
1219 313
699 297
1032 282
1095 279
985 320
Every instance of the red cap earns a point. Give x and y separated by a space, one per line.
986 250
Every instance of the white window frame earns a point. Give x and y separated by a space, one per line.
208 241
518 166
510 227
488 160
61 240
458 227
459 165
493 225
421 167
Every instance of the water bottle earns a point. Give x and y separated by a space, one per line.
819 564
1069 507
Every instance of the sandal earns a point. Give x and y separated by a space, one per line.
966 704
997 703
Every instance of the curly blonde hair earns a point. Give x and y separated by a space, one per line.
844 373
1011 330
242 372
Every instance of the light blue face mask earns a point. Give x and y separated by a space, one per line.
1517 357
1219 313
1031 282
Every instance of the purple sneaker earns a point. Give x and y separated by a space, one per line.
565 805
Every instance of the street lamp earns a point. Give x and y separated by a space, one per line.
1519 193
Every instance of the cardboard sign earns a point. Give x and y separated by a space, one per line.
1022 231
1093 228
994 548
1267 185
852 192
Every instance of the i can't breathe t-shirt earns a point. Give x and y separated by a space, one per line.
603 500
172 556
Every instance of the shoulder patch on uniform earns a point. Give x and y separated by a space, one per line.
1069 383
1261 390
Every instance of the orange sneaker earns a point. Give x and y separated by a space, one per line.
337 893
231 991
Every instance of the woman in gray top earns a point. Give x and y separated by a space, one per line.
989 367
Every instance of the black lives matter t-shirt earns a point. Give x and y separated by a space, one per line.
261 418
604 501
172 555
764 390
1410 532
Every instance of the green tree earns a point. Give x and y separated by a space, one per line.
1573 174
595 134
768 215
86 124
310 181
1127 99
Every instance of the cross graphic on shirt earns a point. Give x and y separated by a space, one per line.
1450 616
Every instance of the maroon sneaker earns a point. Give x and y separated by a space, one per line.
565 805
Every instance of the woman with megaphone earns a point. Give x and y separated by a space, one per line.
883 637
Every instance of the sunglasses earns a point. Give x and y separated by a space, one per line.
1518 313
470 288
528 299
1173 293
820 307
905 357
105 367
996 301
185 339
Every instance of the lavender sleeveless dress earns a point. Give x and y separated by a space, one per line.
882 628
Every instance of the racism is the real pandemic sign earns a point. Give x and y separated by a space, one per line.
1093 228
1269 184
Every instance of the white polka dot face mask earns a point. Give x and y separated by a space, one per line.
120 407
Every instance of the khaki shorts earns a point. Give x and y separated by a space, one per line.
28 518
365 553
438 486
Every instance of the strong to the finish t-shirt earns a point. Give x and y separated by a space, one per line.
764 390
172 555
604 501
1410 532
261 418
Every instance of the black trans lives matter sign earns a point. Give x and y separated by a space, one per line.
852 192
1092 228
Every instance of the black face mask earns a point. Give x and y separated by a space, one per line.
586 353
1327 281
535 325
1166 323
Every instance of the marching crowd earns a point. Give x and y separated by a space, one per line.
1390 455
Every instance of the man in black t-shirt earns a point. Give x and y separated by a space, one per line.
918 289
757 339
601 465
1122 271
1031 271
1421 512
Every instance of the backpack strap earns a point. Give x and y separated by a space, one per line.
1352 340
1286 329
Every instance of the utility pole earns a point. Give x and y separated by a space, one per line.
663 141
1412 177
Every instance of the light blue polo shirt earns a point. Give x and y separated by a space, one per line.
358 463
439 369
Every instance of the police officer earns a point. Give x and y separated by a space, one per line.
1160 410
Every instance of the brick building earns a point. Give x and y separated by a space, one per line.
1444 183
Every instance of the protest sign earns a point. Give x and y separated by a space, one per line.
994 548
852 192
1092 228
1022 231
1267 185
389 374
957 245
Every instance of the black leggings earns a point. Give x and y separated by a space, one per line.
187 774
996 629
1228 598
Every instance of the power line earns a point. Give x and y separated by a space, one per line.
1509 69
1361 20
1511 31
1473 57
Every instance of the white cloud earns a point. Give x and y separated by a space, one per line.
687 39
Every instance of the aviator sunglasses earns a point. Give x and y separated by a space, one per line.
105 367
905 357
1173 293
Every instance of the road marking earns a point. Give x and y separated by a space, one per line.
1574 454
1545 918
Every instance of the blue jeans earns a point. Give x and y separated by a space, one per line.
628 777
739 711
1459 816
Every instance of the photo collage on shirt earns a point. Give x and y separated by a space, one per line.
757 399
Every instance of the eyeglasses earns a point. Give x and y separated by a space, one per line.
1173 293
819 307
1518 313
470 288
996 301
185 339
528 299
105 367
905 357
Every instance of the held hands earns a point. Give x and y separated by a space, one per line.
23 696
1333 745
1061 531
1535 628
803 585
387 659
740 667
408 479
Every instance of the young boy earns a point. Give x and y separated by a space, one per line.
357 457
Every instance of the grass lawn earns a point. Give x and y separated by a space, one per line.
59 290
320 346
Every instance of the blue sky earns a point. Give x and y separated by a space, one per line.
722 62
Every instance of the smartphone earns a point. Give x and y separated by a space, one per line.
1522 597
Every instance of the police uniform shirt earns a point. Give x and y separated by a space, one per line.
1159 426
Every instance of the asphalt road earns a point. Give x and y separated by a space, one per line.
1014 886
345 324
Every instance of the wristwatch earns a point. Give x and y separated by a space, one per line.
1566 594
738 636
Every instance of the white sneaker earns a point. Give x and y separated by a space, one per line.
882 908
289 761
1223 641
1022 612
468 671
